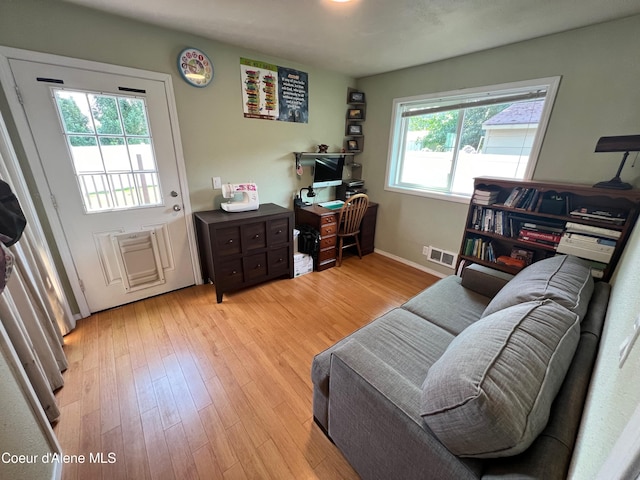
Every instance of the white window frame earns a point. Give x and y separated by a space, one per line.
396 143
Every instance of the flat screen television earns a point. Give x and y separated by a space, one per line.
328 172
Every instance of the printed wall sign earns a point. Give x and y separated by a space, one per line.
274 93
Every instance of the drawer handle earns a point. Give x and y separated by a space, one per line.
280 260
258 266
230 241
257 235
279 231
329 230
234 272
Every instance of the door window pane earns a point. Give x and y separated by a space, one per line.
111 149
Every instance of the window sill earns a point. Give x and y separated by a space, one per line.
447 197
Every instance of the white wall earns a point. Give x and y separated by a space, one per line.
615 392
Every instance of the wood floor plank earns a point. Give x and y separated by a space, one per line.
184 465
180 386
112 444
159 461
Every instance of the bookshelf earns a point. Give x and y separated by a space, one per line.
512 223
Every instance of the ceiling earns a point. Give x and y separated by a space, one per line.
366 37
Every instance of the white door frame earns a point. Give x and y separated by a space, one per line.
24 132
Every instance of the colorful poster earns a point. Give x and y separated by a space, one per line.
270 92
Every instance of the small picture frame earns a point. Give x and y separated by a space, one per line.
353 146
354 129
355 114
356 97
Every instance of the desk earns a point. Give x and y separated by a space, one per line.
326 222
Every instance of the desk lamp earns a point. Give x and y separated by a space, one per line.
624 143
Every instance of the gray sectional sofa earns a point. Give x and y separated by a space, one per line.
479 377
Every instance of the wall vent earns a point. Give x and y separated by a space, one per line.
442 257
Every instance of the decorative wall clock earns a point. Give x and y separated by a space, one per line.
195 67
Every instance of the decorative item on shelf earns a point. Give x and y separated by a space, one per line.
354 129
195 67
355 114
322 148
623 143
356 97
352 145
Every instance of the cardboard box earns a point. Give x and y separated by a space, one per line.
302 263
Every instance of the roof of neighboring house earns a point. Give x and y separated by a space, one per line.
518 114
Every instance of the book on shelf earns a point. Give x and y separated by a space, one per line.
611 215
589 243
592 230
540 235
579 250
484 197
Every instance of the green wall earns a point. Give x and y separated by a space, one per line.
600 71
598 96
217 140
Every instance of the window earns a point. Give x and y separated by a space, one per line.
111 149
441 142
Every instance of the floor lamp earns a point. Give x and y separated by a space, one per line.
624 143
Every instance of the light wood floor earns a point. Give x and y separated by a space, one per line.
181 387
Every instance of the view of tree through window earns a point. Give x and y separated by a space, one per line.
442 142
110 146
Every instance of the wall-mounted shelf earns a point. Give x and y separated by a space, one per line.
306 159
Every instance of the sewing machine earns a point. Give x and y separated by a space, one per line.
248 192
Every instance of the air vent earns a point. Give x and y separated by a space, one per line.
442 257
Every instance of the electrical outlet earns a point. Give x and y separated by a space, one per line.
217 182
425 250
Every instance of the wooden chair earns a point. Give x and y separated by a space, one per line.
349 221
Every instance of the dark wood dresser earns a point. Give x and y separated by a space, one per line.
239 249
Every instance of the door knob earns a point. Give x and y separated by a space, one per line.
176 208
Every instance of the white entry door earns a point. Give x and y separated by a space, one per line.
107 150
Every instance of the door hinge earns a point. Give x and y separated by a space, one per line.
19 95
53 201
81 284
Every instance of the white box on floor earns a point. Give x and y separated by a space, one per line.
302 263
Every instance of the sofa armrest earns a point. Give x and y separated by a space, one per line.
484 280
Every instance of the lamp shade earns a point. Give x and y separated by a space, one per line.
623 143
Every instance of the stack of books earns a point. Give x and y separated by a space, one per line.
540 234
484 197
589 242
608 215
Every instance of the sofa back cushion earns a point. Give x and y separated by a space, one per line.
564 278
490 394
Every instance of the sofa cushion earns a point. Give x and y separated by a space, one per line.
448 304
564 278
490 393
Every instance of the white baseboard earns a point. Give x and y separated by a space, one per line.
411 264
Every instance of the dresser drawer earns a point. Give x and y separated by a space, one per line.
229 273
324 255
327 230
327 242
327 219
227 241
255 266
279 231
254 236
279 261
